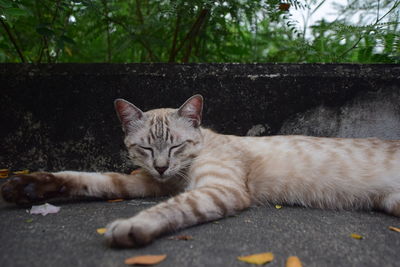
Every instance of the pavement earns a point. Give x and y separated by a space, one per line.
317 237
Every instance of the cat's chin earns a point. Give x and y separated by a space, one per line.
163 178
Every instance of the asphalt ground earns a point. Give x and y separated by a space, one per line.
317 237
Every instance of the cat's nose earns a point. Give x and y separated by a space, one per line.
161 170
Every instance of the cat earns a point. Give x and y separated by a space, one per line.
210 175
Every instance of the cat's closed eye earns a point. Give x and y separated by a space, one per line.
142 150
176 149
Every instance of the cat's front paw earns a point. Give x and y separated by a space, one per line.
28 188
127 233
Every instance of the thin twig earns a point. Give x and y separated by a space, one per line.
309 14
198 21
47 49
377 12
40 54
56 12
139 12
45 46
199 39
52 23
175 38
12 39
107 31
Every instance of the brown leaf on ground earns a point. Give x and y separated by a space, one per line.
115 200
394 229
146 259
293 261
101 231
181 237
4 173
356 236
258 259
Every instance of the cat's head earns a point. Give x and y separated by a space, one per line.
162 141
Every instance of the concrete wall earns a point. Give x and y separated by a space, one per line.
57 117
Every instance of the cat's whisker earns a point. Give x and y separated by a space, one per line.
183 175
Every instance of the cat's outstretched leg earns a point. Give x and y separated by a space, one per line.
193 207
43 185
391 204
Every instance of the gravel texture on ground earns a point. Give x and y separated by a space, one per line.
317 237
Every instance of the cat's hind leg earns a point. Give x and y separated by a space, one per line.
40 186
391 204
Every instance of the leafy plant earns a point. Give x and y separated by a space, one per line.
195 31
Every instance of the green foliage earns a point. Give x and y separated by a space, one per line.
194 31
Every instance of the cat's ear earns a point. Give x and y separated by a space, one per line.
127 113
192 109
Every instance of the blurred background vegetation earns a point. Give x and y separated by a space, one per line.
51 31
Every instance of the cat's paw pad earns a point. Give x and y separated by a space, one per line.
27 188
127 233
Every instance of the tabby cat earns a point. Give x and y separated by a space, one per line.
212 175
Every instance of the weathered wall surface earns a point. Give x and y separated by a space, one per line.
58 117
369 114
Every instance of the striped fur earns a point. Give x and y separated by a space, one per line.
211 175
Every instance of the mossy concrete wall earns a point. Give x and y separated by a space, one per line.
61 116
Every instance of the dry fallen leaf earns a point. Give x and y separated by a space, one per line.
4 173
101 231
181 237
146 259
115 200
258 259
21 172
394 229
293 261
278 207
356 236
